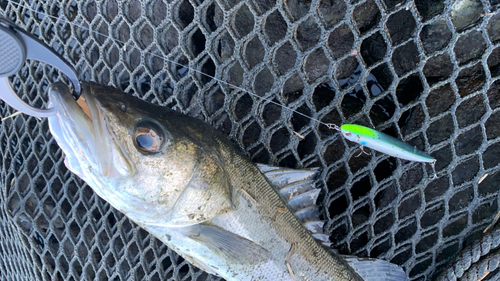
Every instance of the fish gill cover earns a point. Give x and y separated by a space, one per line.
422 71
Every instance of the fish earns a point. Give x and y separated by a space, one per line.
384 143
187 184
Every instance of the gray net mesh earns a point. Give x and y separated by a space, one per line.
422 71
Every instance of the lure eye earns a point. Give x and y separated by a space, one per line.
147 139
347 134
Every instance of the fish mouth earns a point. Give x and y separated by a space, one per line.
81 129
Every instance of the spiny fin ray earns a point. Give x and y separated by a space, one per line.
376 269
304 200
308 214
297 189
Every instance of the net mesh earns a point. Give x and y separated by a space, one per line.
422 71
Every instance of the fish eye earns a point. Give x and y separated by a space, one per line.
147 139
347 134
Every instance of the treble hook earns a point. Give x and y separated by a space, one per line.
17 46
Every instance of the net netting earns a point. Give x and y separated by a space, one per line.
422 71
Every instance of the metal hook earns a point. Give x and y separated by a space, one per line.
433 165
362 151
17 46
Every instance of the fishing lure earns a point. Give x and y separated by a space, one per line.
384 143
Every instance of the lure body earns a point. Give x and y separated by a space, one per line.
383 143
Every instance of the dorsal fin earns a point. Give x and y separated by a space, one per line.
297 189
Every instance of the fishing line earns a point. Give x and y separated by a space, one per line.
329 125
356 133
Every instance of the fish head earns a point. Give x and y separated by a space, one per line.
108 131
131 152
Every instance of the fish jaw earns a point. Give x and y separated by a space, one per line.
85 139
73 130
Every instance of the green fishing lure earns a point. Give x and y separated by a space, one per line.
384 143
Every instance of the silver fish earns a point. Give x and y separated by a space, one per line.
186 184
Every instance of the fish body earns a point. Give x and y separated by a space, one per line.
383 143
185 183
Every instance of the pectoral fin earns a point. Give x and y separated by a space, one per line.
231 246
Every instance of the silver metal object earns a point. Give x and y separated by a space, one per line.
17 46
